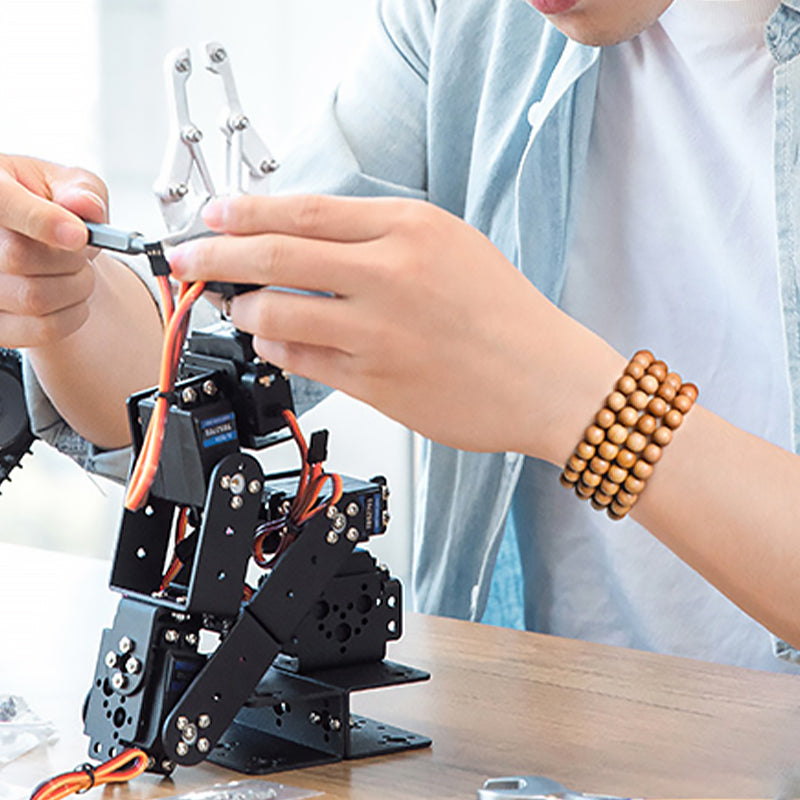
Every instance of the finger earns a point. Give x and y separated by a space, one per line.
285 316
343 219
326 365
273 260
25 212
18 331
20 255
44 295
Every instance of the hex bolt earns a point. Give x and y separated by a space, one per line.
111 659
203 721
125 645
352 534
209 388
236 502
254 487
118 681
171 636
203 745
189 395
132 665
352 509
332 537
181 722
181 748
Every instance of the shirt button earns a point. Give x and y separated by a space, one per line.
533 113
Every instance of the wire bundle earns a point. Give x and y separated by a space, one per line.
176 321
127 765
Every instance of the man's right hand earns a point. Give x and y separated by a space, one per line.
46 271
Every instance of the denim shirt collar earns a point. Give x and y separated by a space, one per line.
782 33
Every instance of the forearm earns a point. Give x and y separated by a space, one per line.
89 374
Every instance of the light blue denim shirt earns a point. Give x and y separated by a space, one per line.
483 108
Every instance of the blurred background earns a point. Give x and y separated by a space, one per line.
82 83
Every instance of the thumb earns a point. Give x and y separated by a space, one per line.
80 192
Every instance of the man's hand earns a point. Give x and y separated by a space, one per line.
46 275
427 320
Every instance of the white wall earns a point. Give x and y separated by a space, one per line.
81 81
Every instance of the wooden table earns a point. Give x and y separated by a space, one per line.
500 702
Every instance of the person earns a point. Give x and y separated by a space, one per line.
544 188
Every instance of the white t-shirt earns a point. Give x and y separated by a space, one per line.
674 249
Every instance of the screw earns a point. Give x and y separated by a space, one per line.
385 517
240 123
331 512
132 665
118 680
219 55
189 733
191 639
111 659
209 388
335 724
254 487
352 534
236 502
171 636
167 765
182 65
352 509
189 395
268 166
332 537
181 748
125 645
178 191
286 507
225 482
192 135
181 723
204 721
203 745
314 718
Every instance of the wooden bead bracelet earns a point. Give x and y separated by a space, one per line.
611 465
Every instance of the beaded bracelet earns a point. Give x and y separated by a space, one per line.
610 466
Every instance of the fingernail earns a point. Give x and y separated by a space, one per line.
71 235
96 200
215 212
180 256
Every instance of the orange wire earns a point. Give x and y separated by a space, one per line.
127 765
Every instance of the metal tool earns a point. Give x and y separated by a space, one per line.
533 787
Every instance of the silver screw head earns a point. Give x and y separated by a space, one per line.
352 509
254 487
182 65
125 645
236 502
335 724
203 721
118 681
167 765
191 639
332 537
331 512
171 636
181 748
268 165
189 733
203 745
181 722
132 665
209 388
111 659
225 482
218 55
339 523
189 395
352 534
314 718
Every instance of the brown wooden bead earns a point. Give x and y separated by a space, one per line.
635 369
673 418
642 470
576 464
628 416
682 403
646 424
652 453
662 436
608 450
584 491
594 435
613 515
674 380
599 465
585 450
644 357
626 459
616 401
667 391
608 487
626 384
566 481
658 369
605 418
617 434
617 474
636 441
657 406
591 479
648 383
638 400
633 484
626 498
690 390
600 501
